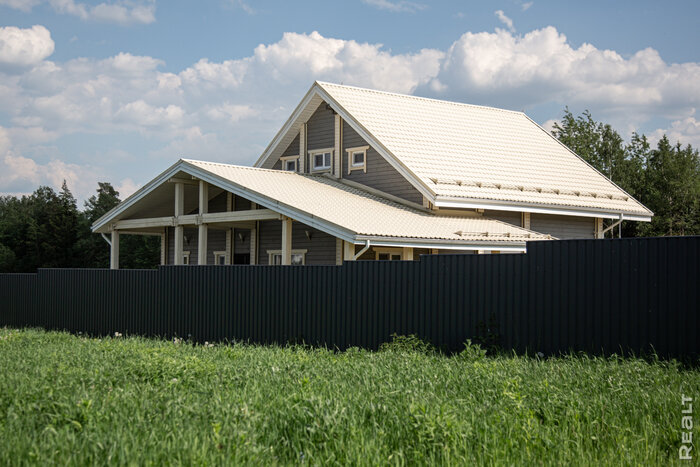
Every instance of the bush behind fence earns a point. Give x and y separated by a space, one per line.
598 296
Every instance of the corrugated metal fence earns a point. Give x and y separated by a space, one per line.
590 295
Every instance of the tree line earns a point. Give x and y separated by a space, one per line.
47 230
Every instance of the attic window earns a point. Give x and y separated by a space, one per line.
290 163
357 158
321 159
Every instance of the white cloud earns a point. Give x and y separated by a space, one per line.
686 131
121 12
526 5
126 188
504 19
396 6
24 47
229 110
503 69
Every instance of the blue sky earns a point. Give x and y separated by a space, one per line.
118 90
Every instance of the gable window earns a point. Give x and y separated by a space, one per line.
290 163
275 257
357 158
321 159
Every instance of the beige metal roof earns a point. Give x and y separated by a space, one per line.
349 208
461 151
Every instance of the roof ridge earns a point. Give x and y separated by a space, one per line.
247 167
422 98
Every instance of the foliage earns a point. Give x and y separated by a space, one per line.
75 400
665 179
46 230
404 344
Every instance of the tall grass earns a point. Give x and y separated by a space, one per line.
69 399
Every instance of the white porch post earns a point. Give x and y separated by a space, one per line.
408 254
203 230
286 241
179 210
114 251
348 251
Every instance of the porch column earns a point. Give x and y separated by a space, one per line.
203 230
179 211
286 241
348 251
114 251
408 254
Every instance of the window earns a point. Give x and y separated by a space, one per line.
185 257
290 163
275 257
357 158
219 258
321 159
388 254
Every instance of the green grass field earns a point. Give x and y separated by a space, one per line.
70 400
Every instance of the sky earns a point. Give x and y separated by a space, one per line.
119 90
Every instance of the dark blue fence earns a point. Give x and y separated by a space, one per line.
583 295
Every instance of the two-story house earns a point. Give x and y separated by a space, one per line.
359 174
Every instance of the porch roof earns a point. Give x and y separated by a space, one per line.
345 211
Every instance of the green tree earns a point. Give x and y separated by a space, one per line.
603 148
95 251
671 189
136 251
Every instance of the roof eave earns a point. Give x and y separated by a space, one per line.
469 203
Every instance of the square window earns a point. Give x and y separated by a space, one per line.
358 158
290 166
322 160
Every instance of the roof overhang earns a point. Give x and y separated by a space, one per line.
463 203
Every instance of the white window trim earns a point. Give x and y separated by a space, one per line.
390 251
186 258
312 159
272 253
285 159
219 254
351 160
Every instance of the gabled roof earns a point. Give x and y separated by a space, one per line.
461 155
344 211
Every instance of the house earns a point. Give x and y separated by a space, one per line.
359 174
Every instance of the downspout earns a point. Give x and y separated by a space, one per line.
612 226
362 251
106 239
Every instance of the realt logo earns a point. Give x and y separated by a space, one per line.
685 451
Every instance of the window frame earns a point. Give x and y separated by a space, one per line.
220 254
298 252
185 258
351 158
388 251
286 159
325 168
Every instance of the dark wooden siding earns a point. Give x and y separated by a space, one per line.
320 129
563 227
320 249
510 217
380 174
218 203
292 150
